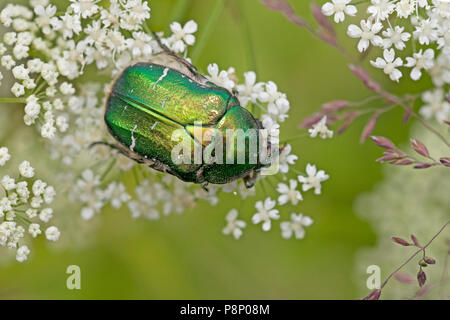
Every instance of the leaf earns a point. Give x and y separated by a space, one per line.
420 148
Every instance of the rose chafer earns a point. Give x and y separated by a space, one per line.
149 102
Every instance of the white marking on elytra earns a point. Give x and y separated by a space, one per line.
160 78
163 104
154 125
133 139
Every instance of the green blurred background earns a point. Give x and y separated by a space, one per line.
186 256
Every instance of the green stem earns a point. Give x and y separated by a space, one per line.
207 30
13 100
293 138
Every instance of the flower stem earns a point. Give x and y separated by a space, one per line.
204 36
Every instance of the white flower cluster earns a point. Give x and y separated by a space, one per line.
393 26
51 55
288 195
47 50
24 208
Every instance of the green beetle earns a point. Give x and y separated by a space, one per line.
149 102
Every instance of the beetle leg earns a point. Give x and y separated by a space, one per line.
120 149
179 59
204 186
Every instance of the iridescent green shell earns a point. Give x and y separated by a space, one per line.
148 102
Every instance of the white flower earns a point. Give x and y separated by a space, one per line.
44 16
26 170
277 103
8 183
52 233
273 129
8 62
39 187
22 253
68 25
62 123
381 9
66 89
367 33
389 64
49 194
183 35
420 61
285 158
427 31
5 206
314 179
219 78
4 156
138 10
143 208
295 226
249 91
289 193
34 229
435 105
20 72
22 191
48 130
234 226
395 37
266 213
141 44
320 128
339 8
86 8
18 90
